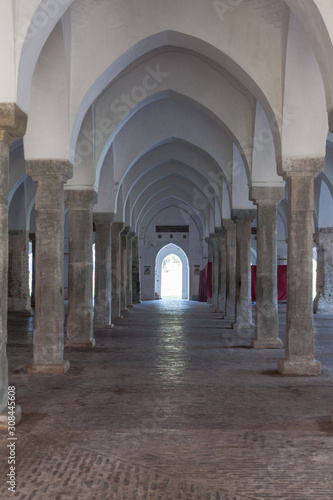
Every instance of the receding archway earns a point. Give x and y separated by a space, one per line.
171 248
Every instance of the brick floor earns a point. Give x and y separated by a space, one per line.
171 404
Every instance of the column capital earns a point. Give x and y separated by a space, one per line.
103 218
117 226
13 122
131 235
40 170
267 195
125 231
78 199
228 224
220 232
325 230
242 215
299 166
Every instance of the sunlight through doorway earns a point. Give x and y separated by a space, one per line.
171 277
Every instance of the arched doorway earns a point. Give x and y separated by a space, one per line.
175 261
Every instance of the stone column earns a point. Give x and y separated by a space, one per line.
267 321
116 228
222 269
136 271
323 302
102 316
209 242
230 228
243 219
124 274
18 272
50 175
129 290
299 343
80 267
12 124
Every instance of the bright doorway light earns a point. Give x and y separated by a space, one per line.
172 277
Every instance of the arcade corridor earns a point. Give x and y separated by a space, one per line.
170 406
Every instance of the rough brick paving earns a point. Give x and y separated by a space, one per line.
169 405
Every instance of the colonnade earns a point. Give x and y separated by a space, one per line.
118 270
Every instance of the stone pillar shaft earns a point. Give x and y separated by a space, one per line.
129 291
324 297
80 267
299 344
102 315
267 322
124 274
230 228
222 269
12 124
116 228
18 272
50 176
136 272
243 219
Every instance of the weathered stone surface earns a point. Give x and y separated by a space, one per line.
230 227
80 266
116 228
266 325
136 282
18 272
12 124
124 273
299 344
102 313
129 289
50 176
323 302
222 269
243 219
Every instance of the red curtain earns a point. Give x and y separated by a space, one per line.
281 278
205 284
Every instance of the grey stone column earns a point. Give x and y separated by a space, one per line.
243 219
323 302
267 321
116 228
18 272
209 242
12 124
230 227
50 175
136 282
129 290
102 315
80 267
124 274
299 343
222 269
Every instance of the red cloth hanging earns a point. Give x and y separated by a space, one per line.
205 283
281 282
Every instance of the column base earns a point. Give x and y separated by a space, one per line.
90 343
4 417
266 343
243 326
124 310
48 368
301 368
102 326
